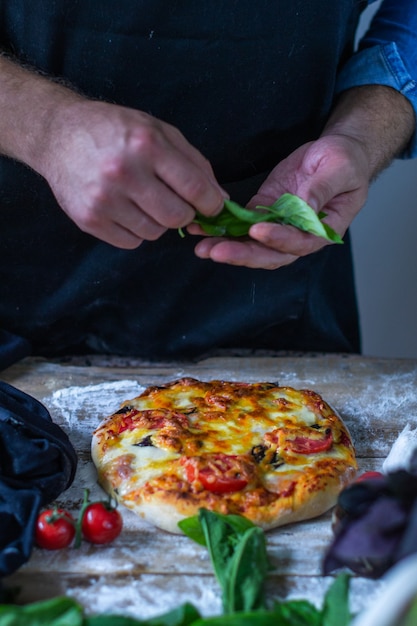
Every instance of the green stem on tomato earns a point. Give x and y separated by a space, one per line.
79 522
56 515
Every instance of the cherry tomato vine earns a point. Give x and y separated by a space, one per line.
98 522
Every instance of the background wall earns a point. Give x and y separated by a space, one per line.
385 254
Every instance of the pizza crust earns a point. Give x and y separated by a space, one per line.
166 509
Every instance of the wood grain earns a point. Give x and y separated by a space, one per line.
147 571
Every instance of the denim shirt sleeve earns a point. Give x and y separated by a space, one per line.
387 55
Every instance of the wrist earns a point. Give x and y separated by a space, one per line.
378 118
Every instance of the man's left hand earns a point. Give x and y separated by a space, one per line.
330 174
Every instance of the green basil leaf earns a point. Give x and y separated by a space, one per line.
247 215
223 534
59 611
293 613
298 613
238 523
292 210
336 603
221 540
211 227
223 224
246 573
252 618
112 620
235 220
184 615
237 550
331 234
191 526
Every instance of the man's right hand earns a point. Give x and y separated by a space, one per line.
119 174
124 176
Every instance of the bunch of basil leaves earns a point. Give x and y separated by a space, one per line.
238 554
235 220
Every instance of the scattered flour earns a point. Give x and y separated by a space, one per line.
149 595
403 451
96 401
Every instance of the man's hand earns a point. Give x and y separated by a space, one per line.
330 174
120 174
124 176
367 129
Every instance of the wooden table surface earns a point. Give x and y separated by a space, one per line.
146 571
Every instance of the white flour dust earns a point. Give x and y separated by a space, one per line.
92 402
148 596
403 451
392 397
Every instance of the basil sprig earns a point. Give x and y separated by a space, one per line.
238 554
235 220
237 550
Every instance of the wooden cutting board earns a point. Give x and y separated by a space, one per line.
147 571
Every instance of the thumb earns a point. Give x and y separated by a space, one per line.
330 169
322 186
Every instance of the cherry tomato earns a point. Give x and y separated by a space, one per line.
55 529
101 523
222 474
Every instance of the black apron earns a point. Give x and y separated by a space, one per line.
246 84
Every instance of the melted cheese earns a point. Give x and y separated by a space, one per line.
193 418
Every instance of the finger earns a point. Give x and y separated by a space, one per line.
122 238
190 181
195 156
160 204
195 229
116 211
115 235
330 173
132 218
286 239
249 254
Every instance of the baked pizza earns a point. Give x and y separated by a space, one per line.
272 454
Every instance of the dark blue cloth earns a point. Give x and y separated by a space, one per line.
37 463
12 349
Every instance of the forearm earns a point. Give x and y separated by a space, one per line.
380 118
29 104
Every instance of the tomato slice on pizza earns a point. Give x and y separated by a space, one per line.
306 445
218 473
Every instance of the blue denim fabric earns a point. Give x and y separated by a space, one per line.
387 55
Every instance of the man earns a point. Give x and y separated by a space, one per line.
131 119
